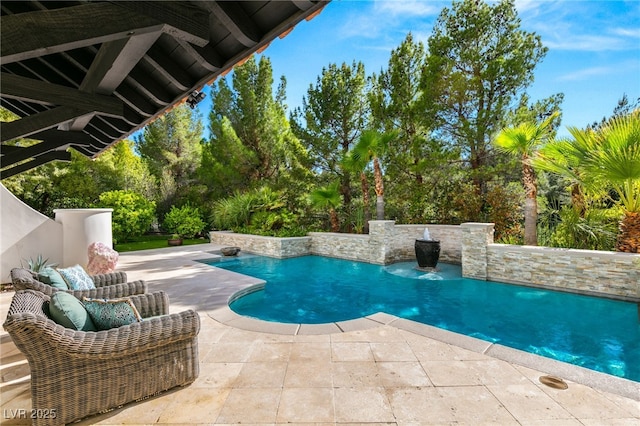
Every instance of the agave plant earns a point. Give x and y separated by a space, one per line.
38 264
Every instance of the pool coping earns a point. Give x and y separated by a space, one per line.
574 373
595 379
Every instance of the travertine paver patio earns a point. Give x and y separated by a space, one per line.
380 370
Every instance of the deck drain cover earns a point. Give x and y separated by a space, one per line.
554 382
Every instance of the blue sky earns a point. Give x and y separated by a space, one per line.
593 57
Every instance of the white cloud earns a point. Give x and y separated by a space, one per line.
586 73
408 7
597 71
587 42
627 32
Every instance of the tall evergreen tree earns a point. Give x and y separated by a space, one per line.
333 115
171 148
251 141
479 61
395 100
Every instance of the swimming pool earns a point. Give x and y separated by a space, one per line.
599 334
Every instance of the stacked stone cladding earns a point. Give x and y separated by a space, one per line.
475 239
615 275
342 246
267 246
450 237
580 271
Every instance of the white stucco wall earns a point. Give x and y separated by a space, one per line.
25 233
81 228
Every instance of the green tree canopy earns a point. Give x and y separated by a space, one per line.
333 115
479 61
171 147
250 135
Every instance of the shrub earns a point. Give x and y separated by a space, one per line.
184 221
132 213
596 230
259 212
234 211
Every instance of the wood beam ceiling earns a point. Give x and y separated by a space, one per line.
92 24
85 74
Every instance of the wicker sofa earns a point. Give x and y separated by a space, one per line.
108 286
75 374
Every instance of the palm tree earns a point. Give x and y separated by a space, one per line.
358 164
566 157
328 198
370 147
599 160
617 162
524 141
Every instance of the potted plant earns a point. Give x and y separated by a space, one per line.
175 240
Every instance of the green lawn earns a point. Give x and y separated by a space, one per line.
146 242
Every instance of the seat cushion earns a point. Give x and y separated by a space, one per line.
69 312
53 278
77 278
111 313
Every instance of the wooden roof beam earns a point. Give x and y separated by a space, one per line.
112 63
159 60
184 21
35 123
39 33
206 56
51 140
235 19
38 161
38 91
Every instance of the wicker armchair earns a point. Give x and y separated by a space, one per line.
108 286
75 374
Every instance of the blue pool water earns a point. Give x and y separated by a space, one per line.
595 333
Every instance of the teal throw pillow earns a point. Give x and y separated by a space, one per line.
53 278
69 312
77 278
111 313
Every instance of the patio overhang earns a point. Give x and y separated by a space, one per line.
87 74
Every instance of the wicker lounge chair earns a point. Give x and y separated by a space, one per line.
108 286
75 374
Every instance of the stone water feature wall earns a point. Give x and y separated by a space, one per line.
386 243
599 273
610 274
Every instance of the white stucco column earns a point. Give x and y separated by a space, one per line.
80 228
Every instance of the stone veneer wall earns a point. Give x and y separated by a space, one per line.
450 237
268 246
611 274
581 271
342 246
386 243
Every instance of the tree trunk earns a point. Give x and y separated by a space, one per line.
377 174
380 207
345 190
577 200
335 223
364 183
629 236
530 206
